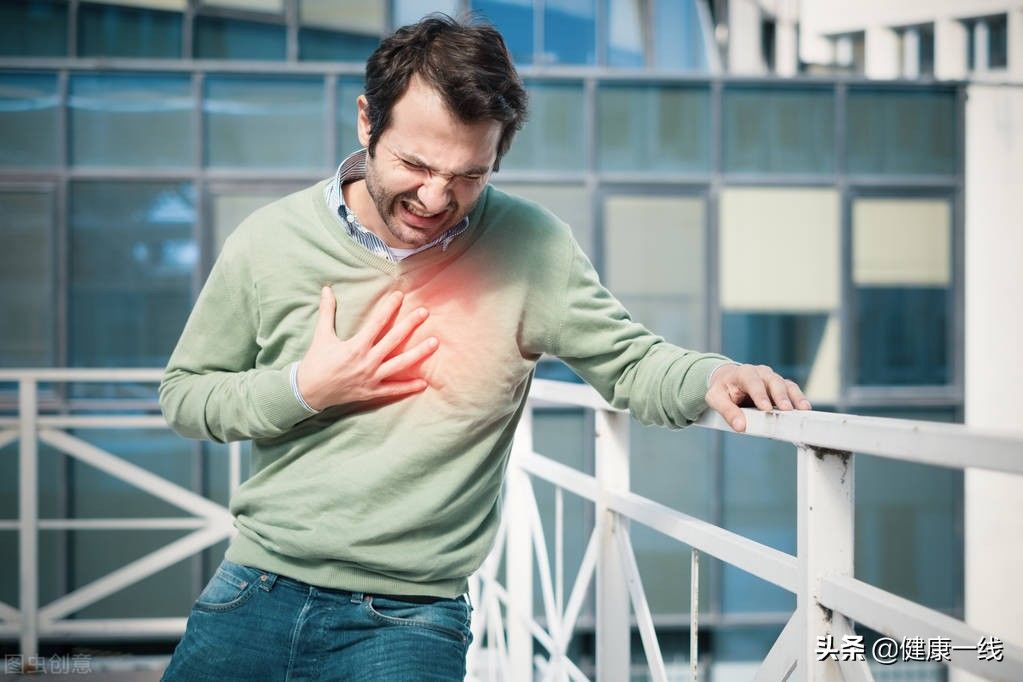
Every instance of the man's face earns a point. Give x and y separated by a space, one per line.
428 168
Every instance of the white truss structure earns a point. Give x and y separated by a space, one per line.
521 644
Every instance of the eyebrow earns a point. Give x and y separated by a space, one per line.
412 158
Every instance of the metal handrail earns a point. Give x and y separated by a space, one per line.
829 598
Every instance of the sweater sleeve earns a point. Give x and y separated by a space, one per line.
630 366
211 388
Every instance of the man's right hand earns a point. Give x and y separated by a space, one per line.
336 372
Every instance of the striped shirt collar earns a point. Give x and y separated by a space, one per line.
354 168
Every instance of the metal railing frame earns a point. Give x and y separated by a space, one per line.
829 598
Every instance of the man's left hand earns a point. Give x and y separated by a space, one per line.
733 384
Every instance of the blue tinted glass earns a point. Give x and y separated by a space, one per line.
131 120
779 130
335 46
759 481
411 11
33 28
93 493
744 643
653 128
28 119
664 563
678 36
514 19
788 342
570 31
902 335
998 41
626 32
27 279
901 131
554 135
265 121
909 523
133 255
217 38
111 31
348 90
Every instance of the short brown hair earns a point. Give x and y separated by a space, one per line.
466 61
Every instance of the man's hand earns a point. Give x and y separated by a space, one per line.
335 372
732 384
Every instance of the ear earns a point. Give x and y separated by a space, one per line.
362 123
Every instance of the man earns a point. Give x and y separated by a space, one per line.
375 336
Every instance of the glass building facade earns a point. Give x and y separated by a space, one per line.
812 224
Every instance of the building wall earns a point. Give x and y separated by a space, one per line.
994 337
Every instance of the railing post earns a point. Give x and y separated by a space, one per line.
519 556
28 514
613 622
825 547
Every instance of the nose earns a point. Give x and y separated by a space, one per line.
433 193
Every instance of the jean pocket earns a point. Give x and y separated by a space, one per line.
231 586
446 616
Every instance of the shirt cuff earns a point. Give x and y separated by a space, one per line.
298 393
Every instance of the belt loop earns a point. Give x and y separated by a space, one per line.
357 597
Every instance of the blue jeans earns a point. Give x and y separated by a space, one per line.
254 625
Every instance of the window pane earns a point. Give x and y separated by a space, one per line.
665 563
340 30
131 120
662 288
348 91
264 122
998 41
909 523
759 502
554 135
926 54
357 16
779 130
626 32
514 19
28 119
793 324
112 31
335 46
411 11
93 493
33 28
902 272
217 38
132 259
901 131
793 344
269 6
678 36
648 128
570 32
760 225
27 295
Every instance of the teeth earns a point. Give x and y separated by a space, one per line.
413 211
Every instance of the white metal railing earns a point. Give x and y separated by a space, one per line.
829 599
209 522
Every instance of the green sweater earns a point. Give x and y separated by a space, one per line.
402 497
